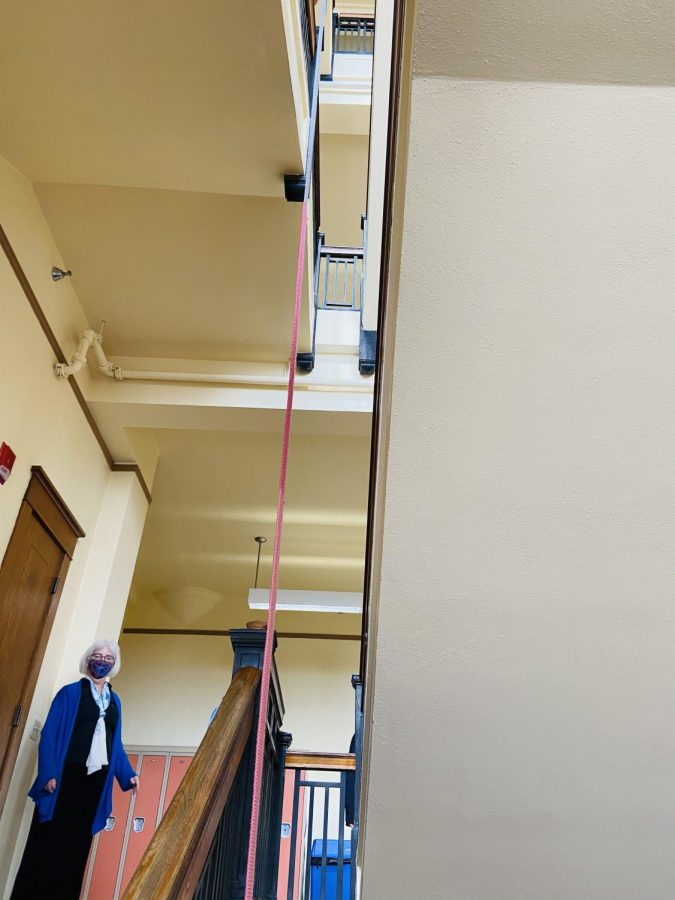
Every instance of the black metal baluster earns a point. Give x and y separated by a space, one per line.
324 842
341 837
294 834
310 825
354 275
326 276
335 284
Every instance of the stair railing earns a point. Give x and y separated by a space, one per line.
201 845
316 826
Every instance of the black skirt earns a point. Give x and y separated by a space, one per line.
56 852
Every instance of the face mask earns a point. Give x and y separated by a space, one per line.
99 669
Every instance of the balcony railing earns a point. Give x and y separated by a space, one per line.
319 814
353 34
308 28
339 278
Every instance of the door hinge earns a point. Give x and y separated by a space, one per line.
17 715
55 584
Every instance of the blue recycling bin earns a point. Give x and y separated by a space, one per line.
331 882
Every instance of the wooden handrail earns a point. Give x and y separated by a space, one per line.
172 864
326 762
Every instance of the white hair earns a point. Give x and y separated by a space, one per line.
96 647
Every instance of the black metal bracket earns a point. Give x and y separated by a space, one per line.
305 362
367 352
294 188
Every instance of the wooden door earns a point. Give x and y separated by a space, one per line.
31 580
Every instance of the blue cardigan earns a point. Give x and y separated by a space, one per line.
54 741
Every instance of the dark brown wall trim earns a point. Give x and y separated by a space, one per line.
132 467
224 632
58 352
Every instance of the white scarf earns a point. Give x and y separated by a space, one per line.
98 752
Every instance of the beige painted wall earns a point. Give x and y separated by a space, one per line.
344 174
169 685
525 625
41 420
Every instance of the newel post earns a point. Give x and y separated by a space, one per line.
249 646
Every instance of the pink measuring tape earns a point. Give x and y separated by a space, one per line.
269 637
261 730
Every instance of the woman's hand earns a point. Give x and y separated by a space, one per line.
50 787
135 782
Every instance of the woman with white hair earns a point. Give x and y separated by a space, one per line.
80 752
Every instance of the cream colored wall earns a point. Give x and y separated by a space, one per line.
525 629
344 174
316 681
43 423
169 685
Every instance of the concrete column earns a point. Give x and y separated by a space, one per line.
522 670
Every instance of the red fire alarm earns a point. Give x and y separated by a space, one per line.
7 457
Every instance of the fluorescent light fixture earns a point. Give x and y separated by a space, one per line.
308 601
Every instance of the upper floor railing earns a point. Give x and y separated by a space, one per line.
353 34
308 29
339 277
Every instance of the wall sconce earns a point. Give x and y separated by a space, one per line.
58 274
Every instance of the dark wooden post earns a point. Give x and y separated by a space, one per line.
224 876
249 648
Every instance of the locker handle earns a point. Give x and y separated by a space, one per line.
109 823
139 824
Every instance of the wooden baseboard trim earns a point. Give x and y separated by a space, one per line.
60 356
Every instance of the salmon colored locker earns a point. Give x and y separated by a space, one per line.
108 845
144 812
178 766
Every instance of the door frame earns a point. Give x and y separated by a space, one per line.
43 501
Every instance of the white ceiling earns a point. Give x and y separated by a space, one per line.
180 274
156 136
155 94
215 491
615 41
